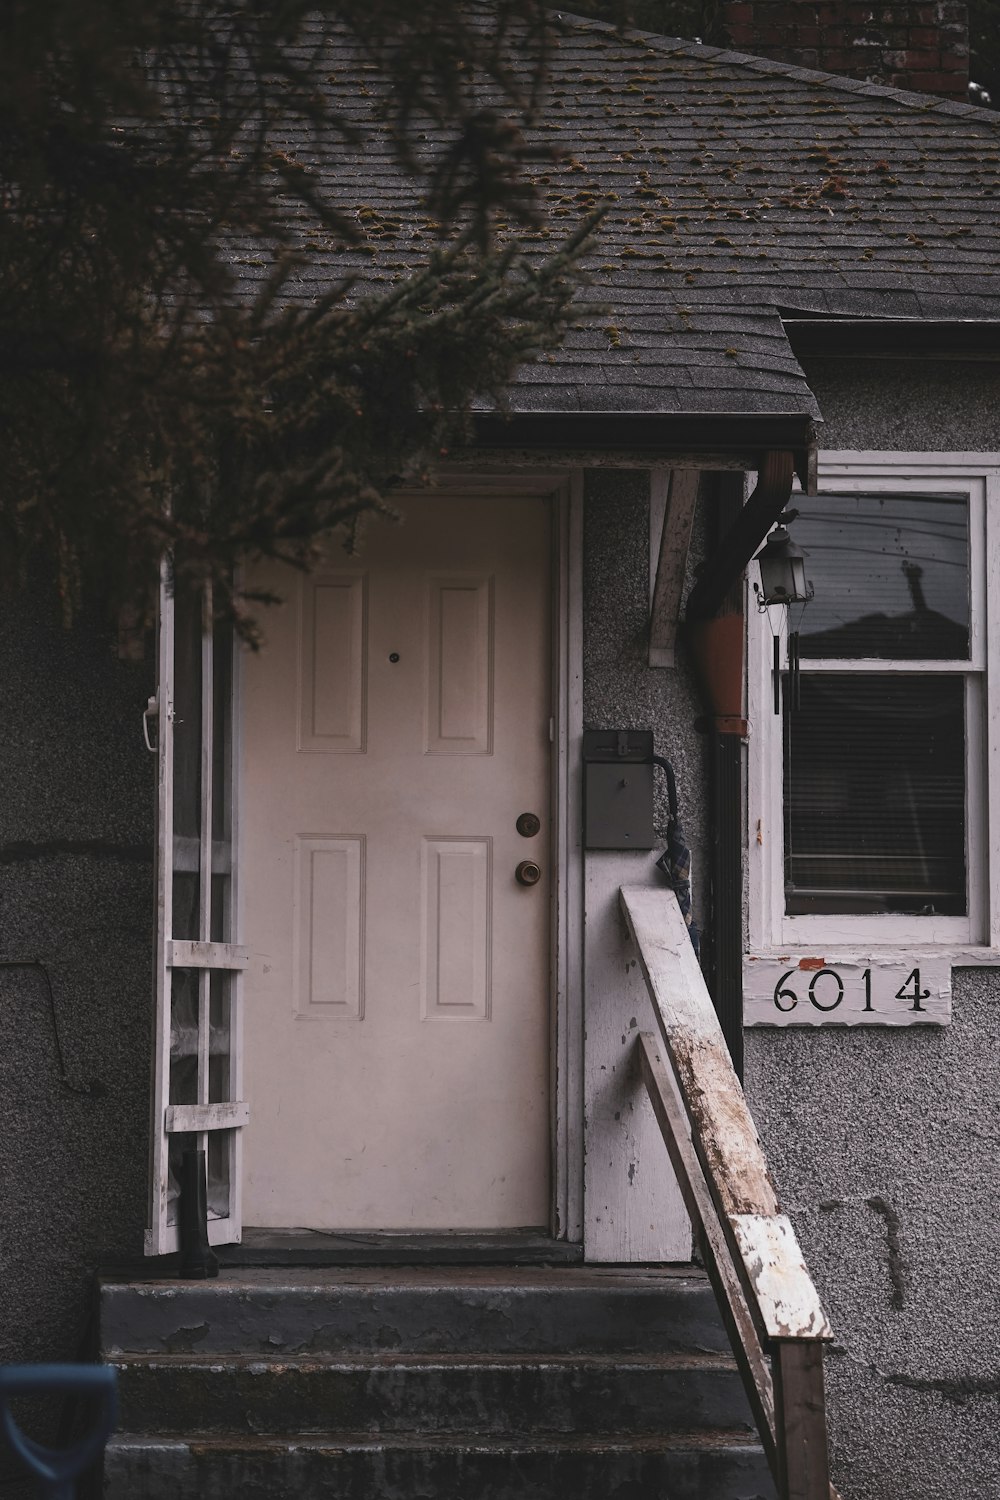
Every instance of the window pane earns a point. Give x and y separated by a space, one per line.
875 795
891 575
219 1036
217 1173
183 1036
220 926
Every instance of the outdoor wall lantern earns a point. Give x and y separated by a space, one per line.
783 567
783 582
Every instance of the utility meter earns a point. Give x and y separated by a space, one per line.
618 789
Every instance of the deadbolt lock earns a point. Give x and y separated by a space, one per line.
528 825
528 873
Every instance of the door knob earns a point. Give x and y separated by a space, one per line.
528 873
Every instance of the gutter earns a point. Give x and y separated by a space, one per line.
889 338
697 437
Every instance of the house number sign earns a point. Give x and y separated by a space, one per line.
813 990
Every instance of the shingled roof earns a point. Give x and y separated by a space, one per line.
735 187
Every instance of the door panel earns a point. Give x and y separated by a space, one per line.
397 722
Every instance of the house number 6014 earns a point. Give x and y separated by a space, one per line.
826 990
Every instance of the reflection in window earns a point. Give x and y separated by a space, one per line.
875 796
891 575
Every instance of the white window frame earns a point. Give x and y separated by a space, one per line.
976 936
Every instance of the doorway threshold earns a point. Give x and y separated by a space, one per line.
316 1247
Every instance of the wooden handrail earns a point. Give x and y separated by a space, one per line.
769 1304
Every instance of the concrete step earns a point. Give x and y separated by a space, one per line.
491 1395
683 1466
282 1313
427 1383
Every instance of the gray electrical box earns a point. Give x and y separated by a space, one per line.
618 789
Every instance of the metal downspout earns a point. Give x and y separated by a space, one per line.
715 606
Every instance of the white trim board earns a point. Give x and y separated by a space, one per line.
769 930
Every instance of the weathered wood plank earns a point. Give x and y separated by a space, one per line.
182 954
722 1172
823 989
786 1297
724 1132
195 1117
698 1200
803 1466
674 542
633 1209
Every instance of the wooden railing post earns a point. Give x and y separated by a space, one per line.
800 1420
768 1301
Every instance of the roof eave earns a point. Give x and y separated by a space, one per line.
697 440
887 338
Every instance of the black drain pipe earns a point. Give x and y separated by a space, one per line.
727 890
726 801
715 632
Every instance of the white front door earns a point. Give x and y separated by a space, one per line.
396 725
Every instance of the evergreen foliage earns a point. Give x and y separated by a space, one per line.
154 394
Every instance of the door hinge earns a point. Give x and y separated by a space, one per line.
150 716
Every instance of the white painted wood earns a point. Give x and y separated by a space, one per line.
567 894
659 491
332 662
411 1118
734 1303
977 933
187 856
457 923
858 666
159 1237
783 1290
567 1021
233 931
460 678
205 889
328 939
633 1207
181 1118
723 1130
184 954
874 989
673 542
990 816
212 963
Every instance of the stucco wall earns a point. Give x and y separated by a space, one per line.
886 1145
632 1209
620 689
75 893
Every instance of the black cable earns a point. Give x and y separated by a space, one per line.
94 1089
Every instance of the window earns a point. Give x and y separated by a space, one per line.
869 802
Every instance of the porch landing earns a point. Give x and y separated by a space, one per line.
316 1247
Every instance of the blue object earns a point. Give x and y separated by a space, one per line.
59 1468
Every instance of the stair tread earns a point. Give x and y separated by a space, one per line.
612 1361
736 1438
425 1278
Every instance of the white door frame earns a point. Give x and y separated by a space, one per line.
567 858
565 494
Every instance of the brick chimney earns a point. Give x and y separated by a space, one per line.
911 44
